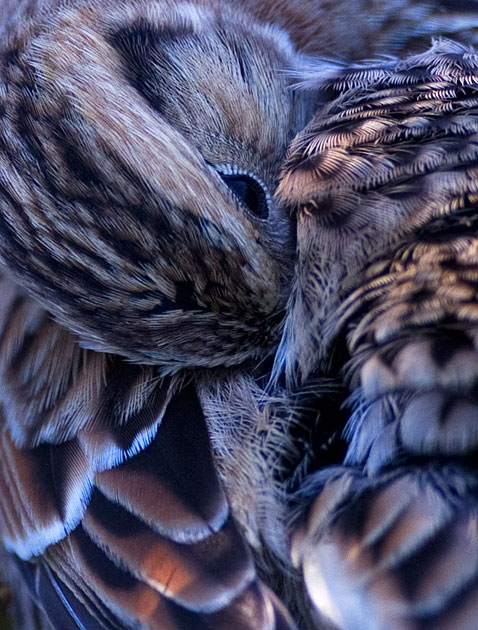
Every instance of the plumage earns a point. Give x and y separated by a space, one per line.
137 289
113 531
148 462
136 195
385 187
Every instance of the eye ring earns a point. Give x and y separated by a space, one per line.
248 188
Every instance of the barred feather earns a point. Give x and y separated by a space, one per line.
115 511
384 179
140 143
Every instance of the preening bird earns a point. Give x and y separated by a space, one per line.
385 183
146 270
140 242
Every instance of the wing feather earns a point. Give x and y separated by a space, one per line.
386 187
111 502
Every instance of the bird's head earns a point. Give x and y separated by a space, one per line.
139 148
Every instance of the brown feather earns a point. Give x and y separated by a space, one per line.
384 179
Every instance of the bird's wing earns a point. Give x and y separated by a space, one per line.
109 498
397 550
386 175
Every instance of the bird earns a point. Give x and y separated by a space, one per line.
383 180
146 269
141 249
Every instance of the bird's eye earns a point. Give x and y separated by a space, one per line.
249 191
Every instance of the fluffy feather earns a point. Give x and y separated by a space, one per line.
119 518
140 143
135 195
384 179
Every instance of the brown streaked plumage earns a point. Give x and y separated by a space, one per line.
323 27
75 78
140 145
354 169
109 497
385 183
106 234
140 142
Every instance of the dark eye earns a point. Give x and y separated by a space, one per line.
249 191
